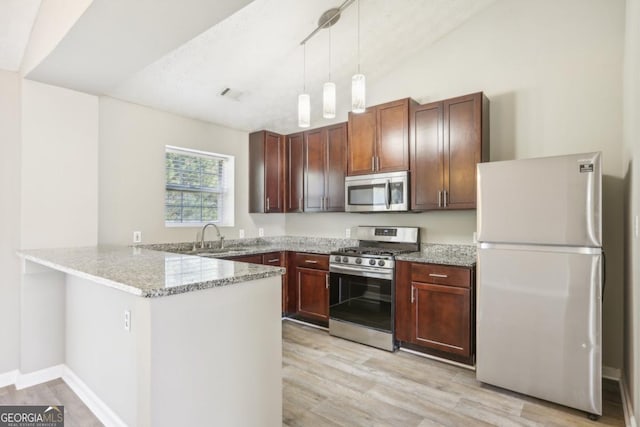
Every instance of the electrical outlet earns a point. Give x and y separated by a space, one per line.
137 236
127 320
241 233
261 232
347 233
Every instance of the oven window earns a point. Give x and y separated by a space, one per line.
366 195
361 300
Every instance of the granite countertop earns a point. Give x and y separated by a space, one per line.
456 255
148 273
240 247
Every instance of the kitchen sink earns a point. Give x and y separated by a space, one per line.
211 252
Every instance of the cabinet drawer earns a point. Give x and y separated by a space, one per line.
320 262
441 275
273 258
251 259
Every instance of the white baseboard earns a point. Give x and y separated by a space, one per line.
629 418
8 378
38 377
93 402
611 373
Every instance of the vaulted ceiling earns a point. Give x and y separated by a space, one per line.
180 56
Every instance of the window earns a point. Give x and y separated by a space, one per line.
199 187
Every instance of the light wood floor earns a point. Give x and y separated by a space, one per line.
328 381
55 392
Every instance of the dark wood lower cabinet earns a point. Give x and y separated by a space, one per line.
251 259
313 293
435 310
441 317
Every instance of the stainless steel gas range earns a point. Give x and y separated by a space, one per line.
361 291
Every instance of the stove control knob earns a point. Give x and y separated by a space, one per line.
372 262
345 259
381 262
358 260
337 258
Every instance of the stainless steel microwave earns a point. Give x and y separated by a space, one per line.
380 192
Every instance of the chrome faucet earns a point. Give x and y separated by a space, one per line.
220 236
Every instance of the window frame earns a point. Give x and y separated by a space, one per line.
226 213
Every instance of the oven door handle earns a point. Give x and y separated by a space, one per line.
387 197
361 271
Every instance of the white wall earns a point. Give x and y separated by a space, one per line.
10 116
552 70
632 181
59 194
131 188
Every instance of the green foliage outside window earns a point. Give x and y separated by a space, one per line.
194 187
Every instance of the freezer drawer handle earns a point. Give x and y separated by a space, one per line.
444 276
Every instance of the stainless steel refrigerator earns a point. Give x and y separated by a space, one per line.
540 278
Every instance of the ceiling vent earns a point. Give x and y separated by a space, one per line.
231 94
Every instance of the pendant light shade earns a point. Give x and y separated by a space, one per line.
358 86
304 110
329 100
358 93
304 101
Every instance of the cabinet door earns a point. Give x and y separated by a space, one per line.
314 167
313 295
426 156
392 141
295 180
403 319
336 167
256 172
274 172
462 149
361 144
441 318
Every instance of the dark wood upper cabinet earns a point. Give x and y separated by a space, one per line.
295 173
336 167
266 172
379 138
427 170
324 168
314 169
448 139
362 142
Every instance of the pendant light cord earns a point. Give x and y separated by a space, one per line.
358 36
304 68
329 53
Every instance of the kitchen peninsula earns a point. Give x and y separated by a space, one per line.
155 338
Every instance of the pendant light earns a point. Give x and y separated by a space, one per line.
358 81
329 92
304 101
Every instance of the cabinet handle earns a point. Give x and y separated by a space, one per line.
377 163
444 276
321 203
373 163
413 294
439 199
310 261
268 204
326 202
274 260
445 198
300 205
326 281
